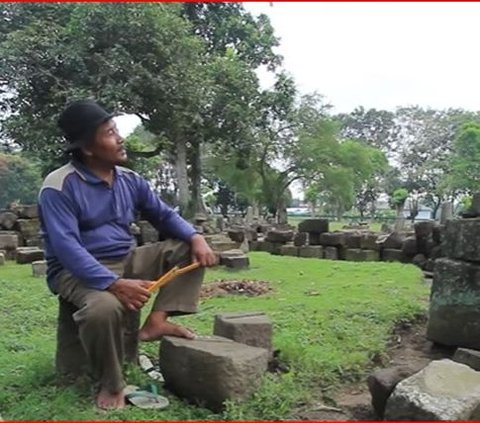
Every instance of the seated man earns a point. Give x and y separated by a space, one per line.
86 209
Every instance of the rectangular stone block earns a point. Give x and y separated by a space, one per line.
27 211
272 247
333 239
39 268
224 245
469 357
289 250
211 370
7 219
236 262
317 226
315 251
454 313
280 237
300 239
331 253
369 242
353 240
29 228
250 328
356 254
390 254
28 255
460 240
8 241
313 238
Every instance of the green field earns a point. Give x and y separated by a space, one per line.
330 319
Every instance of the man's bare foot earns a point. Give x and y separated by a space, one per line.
108 401
157 326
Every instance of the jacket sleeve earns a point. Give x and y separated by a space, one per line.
61 227
160 215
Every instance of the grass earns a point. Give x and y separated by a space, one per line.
333 225
330 318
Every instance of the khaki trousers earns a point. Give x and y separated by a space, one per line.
93 325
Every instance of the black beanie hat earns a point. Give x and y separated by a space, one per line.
80 120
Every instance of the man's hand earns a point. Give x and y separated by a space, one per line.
201 251
132 293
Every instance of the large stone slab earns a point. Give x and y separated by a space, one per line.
333 239
7 219
29 228
27 211
211 370
28 255
460 239
8 241
280 237
469 357
289 250
444 390
353 240
355 254
454 314
331 253
237 262
316 226
369 242
315 251
250 328
390 254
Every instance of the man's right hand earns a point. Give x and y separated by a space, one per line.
132 293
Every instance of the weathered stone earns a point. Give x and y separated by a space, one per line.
211 370
419 260
218 245
251 328
369 242
333 239
424 236
429 265
461 239
313 238
393 241
2 259
469 357
272 247
39 268
300 239
437 234
446 212
331 253
26 211
280 237
390 254
315 251
444 390
409 246
289 250
29 228
455 304
33 242
355 254
236 262
220 223
353 240
382 382
236 235
7 219
436 252
229 253
316 226
8 241
148 234
28 255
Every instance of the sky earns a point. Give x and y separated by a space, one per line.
378 55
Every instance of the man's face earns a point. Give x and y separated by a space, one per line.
108 146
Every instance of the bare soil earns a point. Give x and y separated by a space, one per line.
408 346
222 288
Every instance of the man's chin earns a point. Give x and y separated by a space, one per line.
122 159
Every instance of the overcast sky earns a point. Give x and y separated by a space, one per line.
379 55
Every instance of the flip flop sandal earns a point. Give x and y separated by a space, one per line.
143 398
147 366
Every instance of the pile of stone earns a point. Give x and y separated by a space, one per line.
19 227
227 366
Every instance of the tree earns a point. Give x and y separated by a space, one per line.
465 171
20 180
397 200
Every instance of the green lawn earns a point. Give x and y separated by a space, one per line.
330 318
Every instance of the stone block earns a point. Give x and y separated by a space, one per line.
393 241
333 239
39 268
279 237
272 247
224 245
355 254
28 255
317 226
353 240
313 238
222 255
460 239
454 313
331 253
369 242
300 239
236 235
2 259
315 251
8 241
437 234
7 219
409 246
237 262
29 228
211 370
148 234
469 357
443 390
382 382
289 250
250 328
390 254
27 211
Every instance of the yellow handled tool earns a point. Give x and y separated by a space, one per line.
171 274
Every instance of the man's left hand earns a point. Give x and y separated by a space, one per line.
201 251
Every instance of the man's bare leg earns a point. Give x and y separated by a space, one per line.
108 401
157 325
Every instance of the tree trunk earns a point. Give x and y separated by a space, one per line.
182 175
400 220
282 217
198 206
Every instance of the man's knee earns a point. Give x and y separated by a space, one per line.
103 308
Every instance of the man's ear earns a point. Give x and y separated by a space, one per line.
86 152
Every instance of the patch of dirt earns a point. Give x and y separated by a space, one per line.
407 346
222 288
